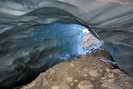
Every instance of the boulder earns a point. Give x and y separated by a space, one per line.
85 72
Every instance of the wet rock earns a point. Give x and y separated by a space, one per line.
84 73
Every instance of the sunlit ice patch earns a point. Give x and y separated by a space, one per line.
89 42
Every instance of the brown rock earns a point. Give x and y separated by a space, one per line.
85 85
83 73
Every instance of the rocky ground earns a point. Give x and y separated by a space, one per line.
85 73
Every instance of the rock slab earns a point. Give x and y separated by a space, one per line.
85 73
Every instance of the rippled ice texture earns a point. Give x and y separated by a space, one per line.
39 47
111 19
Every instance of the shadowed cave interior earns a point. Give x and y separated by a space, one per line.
28 47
